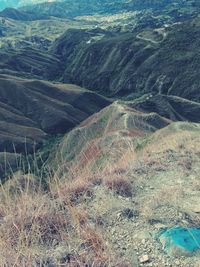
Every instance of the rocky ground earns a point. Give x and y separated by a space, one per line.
165 193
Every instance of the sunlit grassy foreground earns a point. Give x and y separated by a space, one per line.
68 220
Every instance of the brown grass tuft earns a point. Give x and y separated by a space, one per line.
119 185
73 191
32 221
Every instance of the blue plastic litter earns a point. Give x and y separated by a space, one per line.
187 239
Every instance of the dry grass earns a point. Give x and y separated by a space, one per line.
34 222
164 197
179 141
73 191
127 156
119 185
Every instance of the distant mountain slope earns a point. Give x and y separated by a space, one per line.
159 60
17 3
164 60
30 110
8 3
16 14
171 107
29 62
70 8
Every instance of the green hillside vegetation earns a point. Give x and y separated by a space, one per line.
37 33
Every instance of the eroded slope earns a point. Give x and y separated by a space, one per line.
30 110
164 60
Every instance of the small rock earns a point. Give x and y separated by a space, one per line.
159 226
143 241
144 259
177 262
119 216
128 213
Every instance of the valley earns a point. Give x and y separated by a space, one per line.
99 133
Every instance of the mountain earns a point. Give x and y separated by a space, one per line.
117 121
29 62
71 9
118 64
32 110
16 14
159 60
121 121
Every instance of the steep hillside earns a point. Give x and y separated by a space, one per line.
163 60
92 141
110 129
31 110
171 107
30 62
138 54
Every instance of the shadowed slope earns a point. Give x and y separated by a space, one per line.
172 107
30 110
30 62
